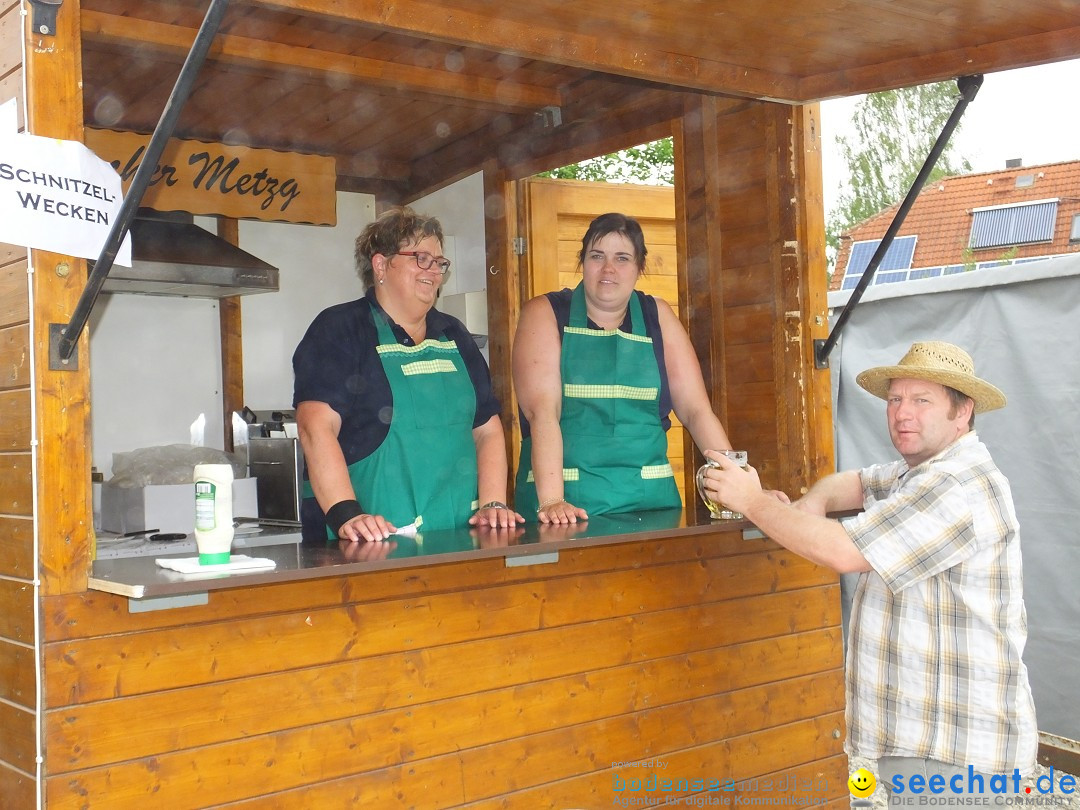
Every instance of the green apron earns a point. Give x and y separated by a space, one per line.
614 448
426 466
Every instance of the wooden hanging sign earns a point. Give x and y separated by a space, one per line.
214 179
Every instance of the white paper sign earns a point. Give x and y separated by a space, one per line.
58 196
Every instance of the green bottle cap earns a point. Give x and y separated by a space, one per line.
215 559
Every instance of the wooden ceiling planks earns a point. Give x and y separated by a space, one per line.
534 30
942 65
423 83
257 53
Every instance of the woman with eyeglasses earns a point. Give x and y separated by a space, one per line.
394 405
597 371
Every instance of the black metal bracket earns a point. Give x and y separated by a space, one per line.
69 333
56 363
43 20
968 87
821 354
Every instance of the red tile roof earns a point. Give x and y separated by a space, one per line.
940 218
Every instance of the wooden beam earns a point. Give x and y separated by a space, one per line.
54 109
232 343
701 294
646 117
101 27
1037 49
815 385
372 167
375 186
587 50
501 209
587 131
803 394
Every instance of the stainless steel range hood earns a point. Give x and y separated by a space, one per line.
171 256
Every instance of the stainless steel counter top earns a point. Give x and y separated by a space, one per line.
111 546
140 577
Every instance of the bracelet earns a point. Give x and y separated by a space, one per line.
546 504
494 505
341 513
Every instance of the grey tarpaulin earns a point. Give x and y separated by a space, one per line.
1021 325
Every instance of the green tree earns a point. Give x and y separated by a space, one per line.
649 164
892 134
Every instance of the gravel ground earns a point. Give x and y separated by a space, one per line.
1059 801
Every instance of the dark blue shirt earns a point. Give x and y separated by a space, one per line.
336 363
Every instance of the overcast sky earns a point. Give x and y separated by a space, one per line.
1028 113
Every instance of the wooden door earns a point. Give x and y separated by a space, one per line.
557 214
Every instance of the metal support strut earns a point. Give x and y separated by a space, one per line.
968 86
69 334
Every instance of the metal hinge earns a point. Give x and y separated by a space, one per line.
43 20
520 245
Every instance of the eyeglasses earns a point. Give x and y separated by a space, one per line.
425 260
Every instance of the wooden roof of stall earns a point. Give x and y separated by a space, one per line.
411 93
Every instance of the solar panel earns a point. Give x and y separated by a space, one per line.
925 272
1013 224
897 257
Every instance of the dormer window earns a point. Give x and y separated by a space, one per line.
1016 224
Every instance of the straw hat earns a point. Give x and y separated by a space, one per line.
938 362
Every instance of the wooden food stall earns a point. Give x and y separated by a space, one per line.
569 671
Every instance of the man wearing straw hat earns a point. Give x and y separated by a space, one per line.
936 687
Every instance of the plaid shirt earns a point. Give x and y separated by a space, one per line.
938 626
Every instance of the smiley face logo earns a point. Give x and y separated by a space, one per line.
861 783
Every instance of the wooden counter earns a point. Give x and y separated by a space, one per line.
457 678
140 577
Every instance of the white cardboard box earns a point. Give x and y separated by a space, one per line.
165 507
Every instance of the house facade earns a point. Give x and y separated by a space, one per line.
989 219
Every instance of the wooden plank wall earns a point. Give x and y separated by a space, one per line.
743 195
18 695
463 685
18 690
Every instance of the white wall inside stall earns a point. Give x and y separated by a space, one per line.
156 362
317 271
155 365
460 209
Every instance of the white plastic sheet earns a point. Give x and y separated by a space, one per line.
1020 326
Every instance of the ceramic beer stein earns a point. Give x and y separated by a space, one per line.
718 511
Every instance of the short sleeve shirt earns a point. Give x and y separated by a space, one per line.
934 663
337 363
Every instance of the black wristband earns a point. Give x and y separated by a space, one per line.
341 513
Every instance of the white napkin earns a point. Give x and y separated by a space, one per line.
237 562
410 530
